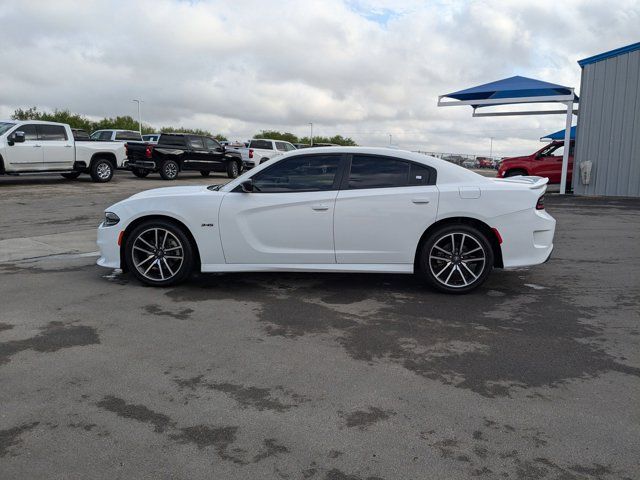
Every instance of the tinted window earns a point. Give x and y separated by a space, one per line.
263 144
196 142
419 175
289 147
309 173
52 133
175 140
103 136
30 132
211 144
281 146
80 134
378 172
4 126
128 135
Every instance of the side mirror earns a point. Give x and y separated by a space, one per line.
220 149
16 137
247 186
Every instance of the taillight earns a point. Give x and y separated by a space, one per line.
251 153
540 203
147 152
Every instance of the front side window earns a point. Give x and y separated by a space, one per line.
52 133
30 131
289 147
299 174
196 143
368 171
211 144
281 146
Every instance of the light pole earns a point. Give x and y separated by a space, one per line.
491 147
311 137
139 115
390 138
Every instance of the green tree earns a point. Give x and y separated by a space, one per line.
336 139
275 135
63 116
125 122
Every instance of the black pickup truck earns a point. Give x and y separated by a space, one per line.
176 152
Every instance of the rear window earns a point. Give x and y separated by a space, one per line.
128 135
52 133
262 144
175 140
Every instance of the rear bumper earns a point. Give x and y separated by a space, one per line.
527 237
143 164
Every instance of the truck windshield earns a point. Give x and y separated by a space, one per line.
4 126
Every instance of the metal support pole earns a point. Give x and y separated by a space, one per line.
139 116
567 148
311 138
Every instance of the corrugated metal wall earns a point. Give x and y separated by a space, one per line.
608 131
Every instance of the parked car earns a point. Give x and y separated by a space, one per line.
116 136
177 152
484 162
335 209
262 149
32 146
469 164
151 137
546 162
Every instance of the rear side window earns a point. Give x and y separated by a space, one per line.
261 144
196 142
128 135
299 174
30 131
368 171
52 133
175 140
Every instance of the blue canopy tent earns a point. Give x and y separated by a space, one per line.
516 90
559 135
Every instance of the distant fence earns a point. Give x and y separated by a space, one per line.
461 158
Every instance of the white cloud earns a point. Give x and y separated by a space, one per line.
363 68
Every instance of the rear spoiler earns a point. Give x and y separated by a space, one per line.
532 182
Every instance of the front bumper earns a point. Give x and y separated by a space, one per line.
108 245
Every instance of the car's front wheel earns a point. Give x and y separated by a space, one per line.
169 170
159 253
456 259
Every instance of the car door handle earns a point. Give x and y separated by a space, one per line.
320 206
420 200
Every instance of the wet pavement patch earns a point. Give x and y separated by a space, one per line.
11 437
254 397
206 436
335 474
5 326
137 412
271 448
363 419
53 337
183 314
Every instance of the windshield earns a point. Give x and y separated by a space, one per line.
4 126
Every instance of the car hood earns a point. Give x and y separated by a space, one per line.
169 191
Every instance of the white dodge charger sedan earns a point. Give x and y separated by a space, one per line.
335 209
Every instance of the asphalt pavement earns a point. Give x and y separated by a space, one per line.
318 376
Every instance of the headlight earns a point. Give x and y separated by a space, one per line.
110 219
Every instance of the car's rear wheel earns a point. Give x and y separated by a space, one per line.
70 175
514 173
169 170
159 253
101 170
140 172
456 259
233 169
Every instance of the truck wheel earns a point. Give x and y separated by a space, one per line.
71 175
514 173
101 170
140 172
169 170
205 173
233 169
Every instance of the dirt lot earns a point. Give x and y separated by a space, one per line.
316 376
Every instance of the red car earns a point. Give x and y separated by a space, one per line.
546 162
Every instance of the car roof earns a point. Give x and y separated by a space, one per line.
37 122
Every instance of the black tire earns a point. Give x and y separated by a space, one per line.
101 170
205 173
169 170
462 269
514 173
140 172
178 243
71 175
233 169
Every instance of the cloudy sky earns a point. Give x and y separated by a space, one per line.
361 68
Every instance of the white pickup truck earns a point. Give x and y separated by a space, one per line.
31 146
262 149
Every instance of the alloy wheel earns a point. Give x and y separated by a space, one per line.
457 260
103 170
157 254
